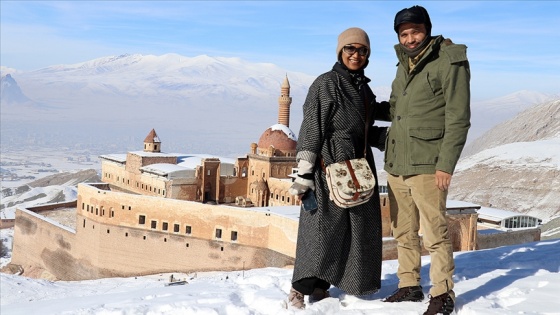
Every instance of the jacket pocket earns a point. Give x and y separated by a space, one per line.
424 144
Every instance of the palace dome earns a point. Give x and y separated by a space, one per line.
278 136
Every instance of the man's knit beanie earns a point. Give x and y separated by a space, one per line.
353 35
416 15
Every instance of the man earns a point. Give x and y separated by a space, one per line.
430 111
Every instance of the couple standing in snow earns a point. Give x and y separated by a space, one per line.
429 110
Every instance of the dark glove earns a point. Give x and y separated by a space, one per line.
377 136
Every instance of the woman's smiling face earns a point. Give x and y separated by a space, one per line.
354 56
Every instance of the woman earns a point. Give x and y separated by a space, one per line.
336 246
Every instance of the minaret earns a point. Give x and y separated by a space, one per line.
284 102
152 142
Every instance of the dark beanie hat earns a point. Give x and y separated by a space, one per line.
416 15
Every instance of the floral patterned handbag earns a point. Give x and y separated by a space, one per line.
350 182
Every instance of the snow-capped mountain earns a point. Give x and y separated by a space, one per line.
11 94
191 101
169 77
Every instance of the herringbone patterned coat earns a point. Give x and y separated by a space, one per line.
341 246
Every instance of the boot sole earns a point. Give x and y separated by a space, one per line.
407 300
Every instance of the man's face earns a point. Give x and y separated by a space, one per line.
411 35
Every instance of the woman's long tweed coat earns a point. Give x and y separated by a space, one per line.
341 246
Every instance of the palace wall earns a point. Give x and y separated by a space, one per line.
493 240
110 239
118 175
134 161
461 227
42 247
204 220
279 195
231 187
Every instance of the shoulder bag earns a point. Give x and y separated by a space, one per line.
351 182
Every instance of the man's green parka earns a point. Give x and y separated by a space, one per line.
430 111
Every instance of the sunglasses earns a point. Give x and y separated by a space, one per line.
350 50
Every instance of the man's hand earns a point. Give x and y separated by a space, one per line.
443 180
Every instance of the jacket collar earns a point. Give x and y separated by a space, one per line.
364 95
343 71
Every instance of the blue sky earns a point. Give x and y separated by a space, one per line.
512 45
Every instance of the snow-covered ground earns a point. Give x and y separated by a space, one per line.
521 279
538 154
36 162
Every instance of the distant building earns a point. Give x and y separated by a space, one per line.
262 177
506 220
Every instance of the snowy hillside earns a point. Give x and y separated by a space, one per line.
541 121
167 76
486 114
37 196
54 188
522 177
516 165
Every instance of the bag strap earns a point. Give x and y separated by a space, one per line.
367 122
354 179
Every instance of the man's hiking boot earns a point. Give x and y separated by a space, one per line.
406 294
441 304
318 295
295 299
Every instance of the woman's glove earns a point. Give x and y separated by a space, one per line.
304 180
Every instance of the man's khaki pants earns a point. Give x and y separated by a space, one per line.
417 204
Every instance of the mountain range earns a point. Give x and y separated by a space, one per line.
190 101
